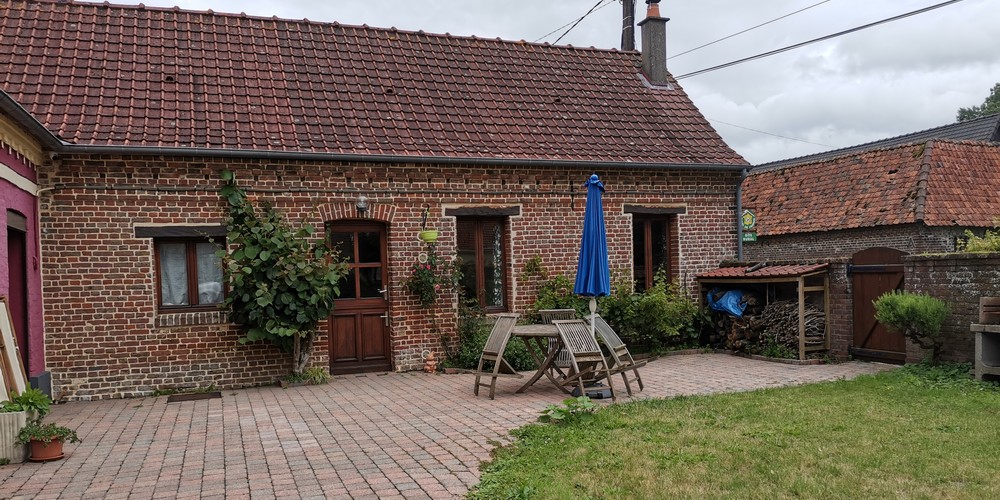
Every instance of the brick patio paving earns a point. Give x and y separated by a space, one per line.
393 435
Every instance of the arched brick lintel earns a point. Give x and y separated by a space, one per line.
347 211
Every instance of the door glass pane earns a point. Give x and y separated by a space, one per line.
493 268
173 274
209 274
371 281
639 255
347 286
658 233
344 244
369 247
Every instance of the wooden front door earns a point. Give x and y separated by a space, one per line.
359 331
874 272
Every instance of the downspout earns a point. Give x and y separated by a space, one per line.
739 215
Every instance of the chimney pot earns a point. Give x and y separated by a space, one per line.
654 44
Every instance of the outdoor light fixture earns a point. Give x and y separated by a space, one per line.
362 204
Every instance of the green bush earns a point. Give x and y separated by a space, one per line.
556 292
657 319
473 330
916 316
989 242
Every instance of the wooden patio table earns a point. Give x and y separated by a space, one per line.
540 334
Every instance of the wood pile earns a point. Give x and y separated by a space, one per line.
762 328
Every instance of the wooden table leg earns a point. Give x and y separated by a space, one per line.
544 365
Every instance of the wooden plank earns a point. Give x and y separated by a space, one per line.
826 311
815 289
989 310
802 319
10 358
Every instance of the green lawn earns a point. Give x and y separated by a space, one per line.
907 433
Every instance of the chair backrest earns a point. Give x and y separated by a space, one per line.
550 315
607 334
500 333
577 338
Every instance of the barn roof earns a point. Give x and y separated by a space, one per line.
937 183
984 129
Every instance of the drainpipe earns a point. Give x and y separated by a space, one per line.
739 215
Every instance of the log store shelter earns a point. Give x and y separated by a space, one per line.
808 283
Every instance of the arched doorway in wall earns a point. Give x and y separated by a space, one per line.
875 271
359 326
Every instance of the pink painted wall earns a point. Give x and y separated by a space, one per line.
13 198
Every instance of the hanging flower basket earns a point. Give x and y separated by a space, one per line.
428 235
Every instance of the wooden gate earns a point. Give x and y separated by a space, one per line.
874 272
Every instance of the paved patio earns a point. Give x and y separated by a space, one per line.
394 435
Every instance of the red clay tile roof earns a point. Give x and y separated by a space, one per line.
939 183
139 76
776 271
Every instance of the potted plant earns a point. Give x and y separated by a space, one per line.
429 276
15 414
46 440
426 235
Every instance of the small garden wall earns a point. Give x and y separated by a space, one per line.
959 280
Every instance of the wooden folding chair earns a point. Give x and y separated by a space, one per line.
493 351
548 316
619 359
585 355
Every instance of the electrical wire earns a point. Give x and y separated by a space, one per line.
748 29
574 22
820 39
769 133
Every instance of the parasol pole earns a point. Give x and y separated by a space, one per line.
593 314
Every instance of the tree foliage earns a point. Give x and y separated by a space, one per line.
282 281
990 106
917 316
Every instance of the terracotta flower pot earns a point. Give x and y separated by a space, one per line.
44 452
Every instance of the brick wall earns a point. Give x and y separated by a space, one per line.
104 337
959 280
910 238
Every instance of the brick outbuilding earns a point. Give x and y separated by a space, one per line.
492 138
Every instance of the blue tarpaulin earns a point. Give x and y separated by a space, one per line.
731 302
592 276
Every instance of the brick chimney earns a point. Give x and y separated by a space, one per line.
654 44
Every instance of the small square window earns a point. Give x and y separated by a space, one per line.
188 274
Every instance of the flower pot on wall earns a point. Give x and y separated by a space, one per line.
428 235
11 424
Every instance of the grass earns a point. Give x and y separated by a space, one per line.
910 433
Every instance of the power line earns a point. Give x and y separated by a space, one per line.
749 29
769 133
820 39
574 22
592 9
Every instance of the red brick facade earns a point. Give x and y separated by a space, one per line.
105 337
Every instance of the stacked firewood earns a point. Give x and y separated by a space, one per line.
774 324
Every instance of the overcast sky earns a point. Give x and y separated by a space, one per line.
892 79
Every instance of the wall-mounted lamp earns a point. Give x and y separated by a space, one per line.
362 204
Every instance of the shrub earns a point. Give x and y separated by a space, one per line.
473 331
989 242
556 292
916 316
659 318
31 400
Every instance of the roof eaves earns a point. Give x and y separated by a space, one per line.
21 116
386 158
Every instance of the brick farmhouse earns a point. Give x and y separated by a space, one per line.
132 113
